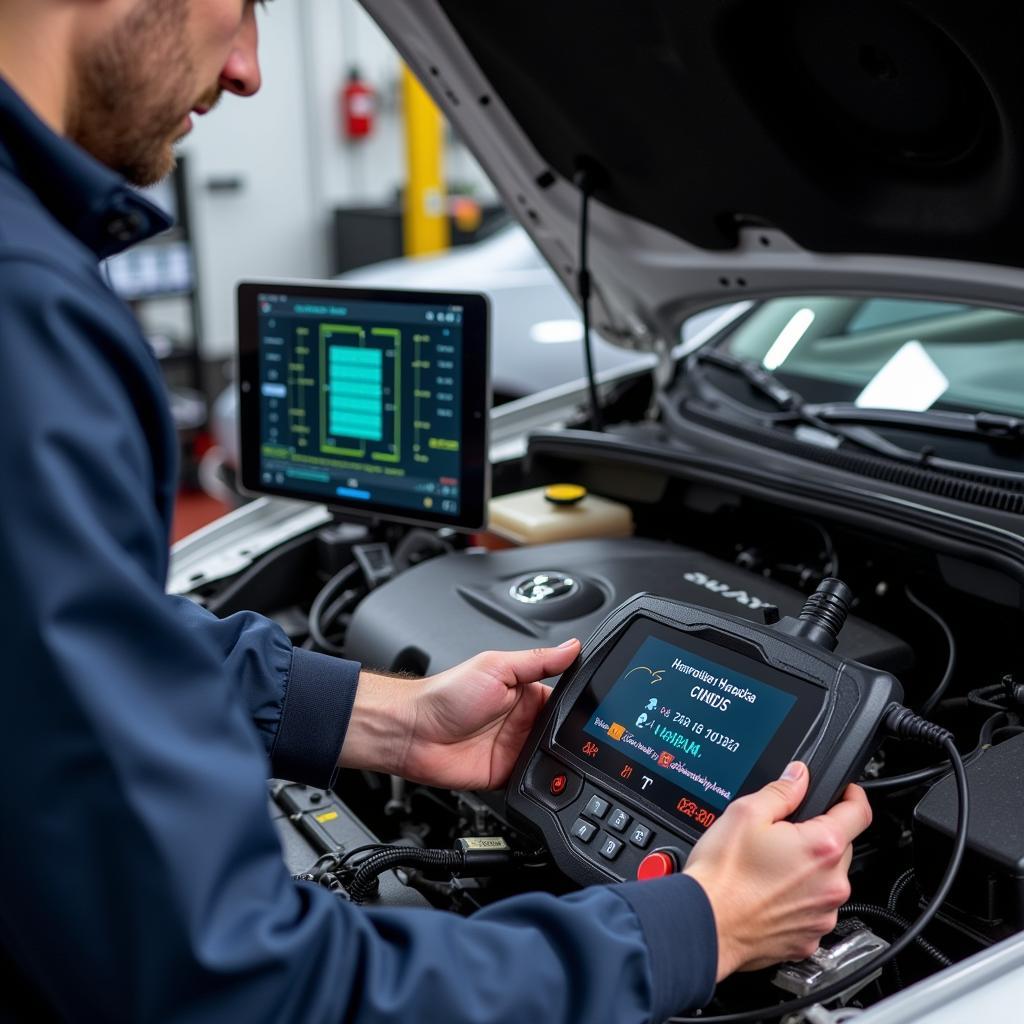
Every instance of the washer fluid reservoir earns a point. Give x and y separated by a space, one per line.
558 512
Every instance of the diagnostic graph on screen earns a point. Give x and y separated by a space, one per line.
362 401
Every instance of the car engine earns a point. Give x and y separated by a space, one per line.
926 609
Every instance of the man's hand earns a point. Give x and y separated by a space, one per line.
460 729
775 885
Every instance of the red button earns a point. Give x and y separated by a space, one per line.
558 783
656 865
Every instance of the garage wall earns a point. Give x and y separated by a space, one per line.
265 173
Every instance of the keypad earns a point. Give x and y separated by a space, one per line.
640 835
583 830
598 810
619 820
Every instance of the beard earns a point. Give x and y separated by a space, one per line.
135 87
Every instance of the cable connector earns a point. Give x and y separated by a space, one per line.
375 561
484 853
823 615
1014 690
904 724
475 856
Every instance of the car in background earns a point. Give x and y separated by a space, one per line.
537 336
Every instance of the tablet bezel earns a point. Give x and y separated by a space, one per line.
474 477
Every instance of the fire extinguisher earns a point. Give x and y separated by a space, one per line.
358 107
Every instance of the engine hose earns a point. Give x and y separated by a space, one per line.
326 596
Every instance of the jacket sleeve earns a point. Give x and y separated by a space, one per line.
140 876
300 701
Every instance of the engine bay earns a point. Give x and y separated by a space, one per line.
414 601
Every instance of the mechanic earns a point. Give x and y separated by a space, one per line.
141 876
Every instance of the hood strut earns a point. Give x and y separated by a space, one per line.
584 180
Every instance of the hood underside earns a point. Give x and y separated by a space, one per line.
743 148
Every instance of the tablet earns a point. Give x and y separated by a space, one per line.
374 402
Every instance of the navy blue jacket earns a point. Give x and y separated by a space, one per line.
140 876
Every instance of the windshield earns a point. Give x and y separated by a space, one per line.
889 353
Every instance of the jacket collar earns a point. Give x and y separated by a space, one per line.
92 202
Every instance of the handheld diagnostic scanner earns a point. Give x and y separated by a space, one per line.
672 711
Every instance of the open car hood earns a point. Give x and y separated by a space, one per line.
742 148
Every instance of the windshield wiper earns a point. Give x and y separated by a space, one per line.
829 419
761 380
793 408
989 425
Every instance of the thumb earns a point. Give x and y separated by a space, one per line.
779 799
541 662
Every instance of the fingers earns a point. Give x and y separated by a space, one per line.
779 799
530 666
844 864
851 815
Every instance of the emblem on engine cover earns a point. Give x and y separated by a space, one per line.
542 586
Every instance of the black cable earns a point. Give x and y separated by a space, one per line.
898 921
324 862
922 775
585 184
362 849
338 605
897 890
1006 732
915 778
320 602
364 884
427 543
832 565
334 614
939 690
981 697
905 724
892 904
990 726
457 861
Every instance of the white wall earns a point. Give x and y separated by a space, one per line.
285 147
269 225
365 172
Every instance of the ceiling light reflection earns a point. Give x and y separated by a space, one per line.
788 337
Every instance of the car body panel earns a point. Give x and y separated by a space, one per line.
987 986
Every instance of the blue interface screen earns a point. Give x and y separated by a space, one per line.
361 402
700 725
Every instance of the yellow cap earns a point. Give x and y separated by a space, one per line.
565 494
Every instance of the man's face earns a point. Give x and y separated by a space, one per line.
139 78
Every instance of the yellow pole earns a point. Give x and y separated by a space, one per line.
425 214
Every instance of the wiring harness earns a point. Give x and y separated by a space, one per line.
902 723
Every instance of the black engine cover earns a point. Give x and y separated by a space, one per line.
446 610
